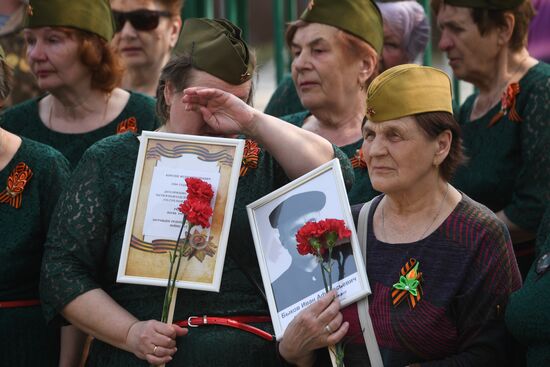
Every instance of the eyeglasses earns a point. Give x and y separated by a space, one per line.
141 20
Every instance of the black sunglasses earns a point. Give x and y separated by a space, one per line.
141 20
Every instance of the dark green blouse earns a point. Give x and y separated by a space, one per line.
527 314
362 190
24 338
509 163
24 120
83 253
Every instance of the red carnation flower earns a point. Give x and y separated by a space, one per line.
197 212
317 238
322 229
303 235
199 189
338 226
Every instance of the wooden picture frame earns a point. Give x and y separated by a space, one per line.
164 161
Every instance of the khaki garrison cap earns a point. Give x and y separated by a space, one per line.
88 15
361 18
216 46
407 90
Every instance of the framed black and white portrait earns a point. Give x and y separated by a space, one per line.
292 280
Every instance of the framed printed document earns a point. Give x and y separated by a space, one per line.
293 281
154 222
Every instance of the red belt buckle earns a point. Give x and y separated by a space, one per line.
189 324
237 322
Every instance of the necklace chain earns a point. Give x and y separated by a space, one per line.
429 226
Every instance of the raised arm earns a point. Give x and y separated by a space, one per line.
298 151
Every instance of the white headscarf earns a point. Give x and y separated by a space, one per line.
408 20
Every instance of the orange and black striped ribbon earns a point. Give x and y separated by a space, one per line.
203 153
358 160
130 124
250 156
399 295
17 180
508 105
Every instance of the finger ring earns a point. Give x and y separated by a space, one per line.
328 329
155 349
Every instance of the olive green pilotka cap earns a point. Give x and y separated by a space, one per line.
89 15
216 47
486 4
406 90
361 18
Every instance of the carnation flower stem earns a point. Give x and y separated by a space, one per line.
172 277
323 271
336 351
179 249
329 271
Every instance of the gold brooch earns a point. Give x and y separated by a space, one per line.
245 76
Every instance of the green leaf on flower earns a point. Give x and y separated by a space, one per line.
409 285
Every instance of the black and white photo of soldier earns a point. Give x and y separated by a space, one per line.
303 277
